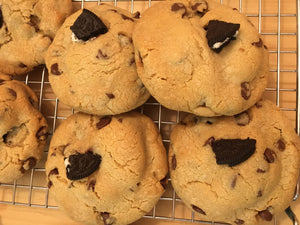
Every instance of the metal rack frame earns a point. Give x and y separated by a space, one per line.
159 119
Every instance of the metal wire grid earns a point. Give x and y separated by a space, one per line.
164 118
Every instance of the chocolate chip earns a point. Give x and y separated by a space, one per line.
105 217
124 17
88 25
239 221
269 155
55 70
265 47
242 119
200 7
42 133
12 93
178 7
258 44
49 185
233 183
104 121
101 55
220 33
136 15
245 90
235 9
260 170
110 95
209 141
233 151
174 162
80 165
35 21
281 145
259 193
164 182
265 215
120 120
91 185
1 18
197 209
53 172
28 164
22 65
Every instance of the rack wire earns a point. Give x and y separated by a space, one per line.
278 23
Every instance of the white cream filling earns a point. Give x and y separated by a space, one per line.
219 44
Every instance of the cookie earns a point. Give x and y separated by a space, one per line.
91 62
27 28
23 129
106 170
200 57
239 169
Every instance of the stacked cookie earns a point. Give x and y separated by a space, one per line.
106 165
236 160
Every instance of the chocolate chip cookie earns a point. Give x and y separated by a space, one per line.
23 129
239 169
106 169
27 28
91 62
200 57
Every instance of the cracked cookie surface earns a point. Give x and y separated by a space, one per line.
127 166
23 129
97 73
200 57
26 31
253 190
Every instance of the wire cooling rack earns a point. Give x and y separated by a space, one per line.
276 20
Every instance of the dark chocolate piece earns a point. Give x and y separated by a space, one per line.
104 121
55 70
245 90
88 25
269 155
197 209
233 151
265 215
1 18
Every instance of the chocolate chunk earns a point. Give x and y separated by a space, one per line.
55 70
42 133
281 145
259 193
28 164
120 120
53 172
209 141
105 217
174 162
1 18
101 55
200 7
209 122
178 7
269 155
260 170
79 165
233 151
258 44
164 182
242 119
245 90
35 21
12 93
220 33
124 17
239 221
22 65
265 215
110 95
91 185
136 15
49 185
197 209
233 183
104 121
88 25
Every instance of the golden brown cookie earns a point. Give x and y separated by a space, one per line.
238 170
